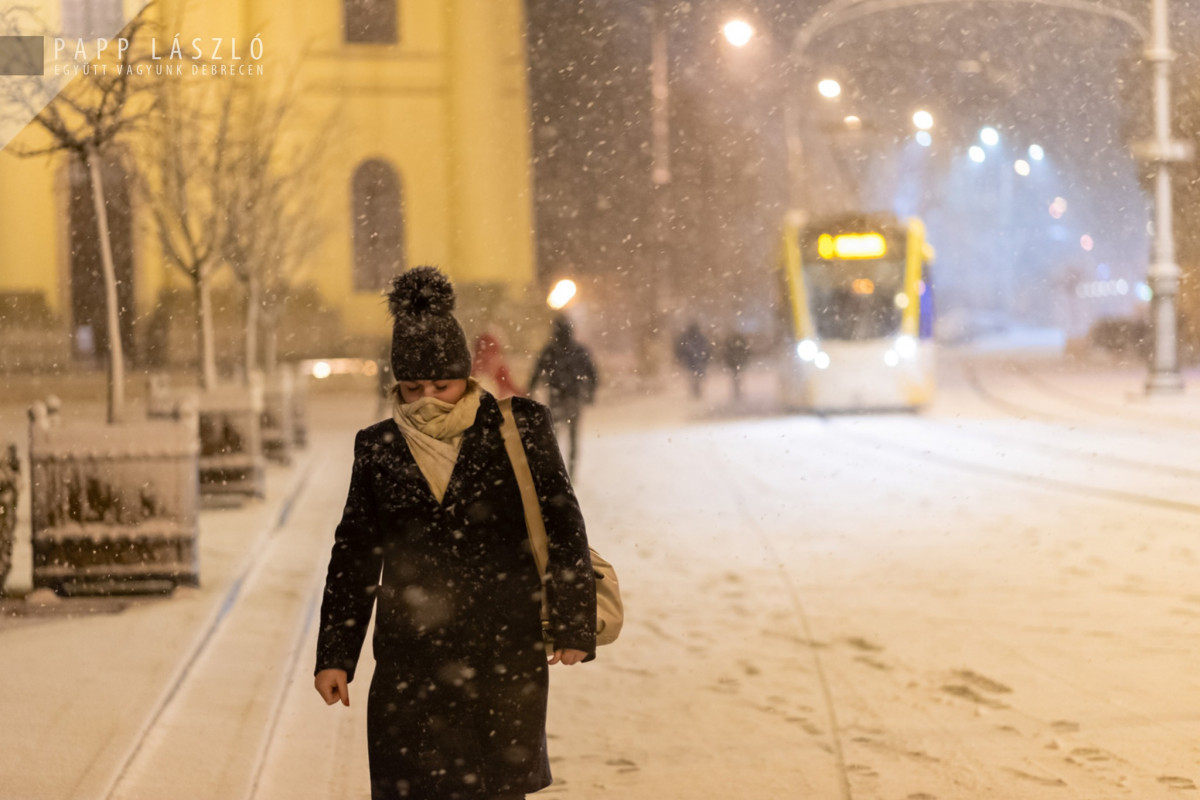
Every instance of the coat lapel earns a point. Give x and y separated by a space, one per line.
472 457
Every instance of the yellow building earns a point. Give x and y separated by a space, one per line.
429 162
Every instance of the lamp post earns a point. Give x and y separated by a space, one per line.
1163 274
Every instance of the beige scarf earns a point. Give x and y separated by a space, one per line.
434 431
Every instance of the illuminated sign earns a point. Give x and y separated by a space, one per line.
851 245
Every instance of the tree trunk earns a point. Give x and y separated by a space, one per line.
271 354
116 355
204 322
252 325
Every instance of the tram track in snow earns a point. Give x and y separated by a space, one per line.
970 769
127 780
1007 444
875 442
1107 411
968 772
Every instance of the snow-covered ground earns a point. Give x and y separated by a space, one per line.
995 598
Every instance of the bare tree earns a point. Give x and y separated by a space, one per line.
273 226
187 188
86 120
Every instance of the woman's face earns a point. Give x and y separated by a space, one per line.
449 391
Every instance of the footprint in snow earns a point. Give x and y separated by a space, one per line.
981 681
967 693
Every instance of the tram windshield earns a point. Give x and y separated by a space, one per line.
856 299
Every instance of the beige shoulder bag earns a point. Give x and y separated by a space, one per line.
610 612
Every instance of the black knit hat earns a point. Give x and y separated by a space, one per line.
427 341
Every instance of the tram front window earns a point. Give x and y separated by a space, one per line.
856 299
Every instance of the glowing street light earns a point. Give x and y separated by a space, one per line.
976 154
1036 152
562 293
923 120
1021 167
853 123
924 138
829 88
989 136
738 32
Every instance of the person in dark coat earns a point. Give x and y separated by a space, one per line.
735 353
433 539
693 351
567 369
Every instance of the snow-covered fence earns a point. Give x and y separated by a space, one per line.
10 487
231 451
114 507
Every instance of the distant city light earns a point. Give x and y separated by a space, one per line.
1143 292
829 88
976 154
853 122
1086 242
561 294
322 370
1097 289
989 136
923 120
1021 167
822 361
738 32
924 138
1036 152
1058 207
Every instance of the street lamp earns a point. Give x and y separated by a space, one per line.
989 136
738 32
829 88
923 120
563 293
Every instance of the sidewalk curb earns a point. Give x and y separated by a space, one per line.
205 634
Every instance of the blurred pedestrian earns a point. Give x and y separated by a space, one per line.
489 367
434 534
693 351
567 369
735 353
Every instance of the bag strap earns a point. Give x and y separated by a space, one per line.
535 526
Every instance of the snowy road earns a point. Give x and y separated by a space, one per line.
993 599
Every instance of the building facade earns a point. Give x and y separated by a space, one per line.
424 107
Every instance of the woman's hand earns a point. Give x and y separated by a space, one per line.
332 686
567 657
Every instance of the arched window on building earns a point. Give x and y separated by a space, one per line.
371 21
378 225
91 18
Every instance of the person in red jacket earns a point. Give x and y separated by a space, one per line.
489 367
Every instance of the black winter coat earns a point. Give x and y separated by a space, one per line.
457 706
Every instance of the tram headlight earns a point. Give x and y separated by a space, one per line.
905 347
807 350
821 360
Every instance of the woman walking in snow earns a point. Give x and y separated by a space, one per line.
433 537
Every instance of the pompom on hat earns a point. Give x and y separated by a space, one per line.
427 341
